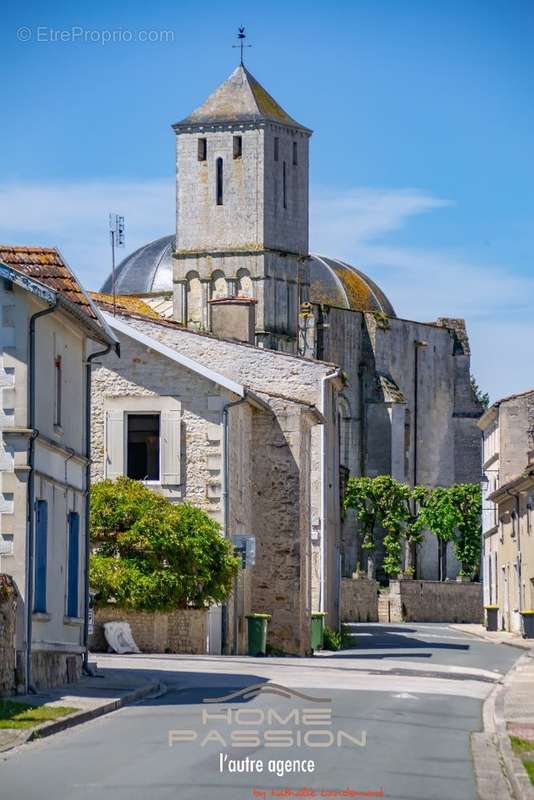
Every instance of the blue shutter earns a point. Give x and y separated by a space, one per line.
41 536
74 562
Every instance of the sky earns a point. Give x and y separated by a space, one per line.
422 167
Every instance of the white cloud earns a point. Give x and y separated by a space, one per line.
74 218
422 283
341 220
425 283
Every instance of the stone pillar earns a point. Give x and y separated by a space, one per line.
180 302
205 288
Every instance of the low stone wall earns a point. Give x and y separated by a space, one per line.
359 600
51 669
180 631
8 614
432 601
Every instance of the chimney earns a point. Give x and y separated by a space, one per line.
234 318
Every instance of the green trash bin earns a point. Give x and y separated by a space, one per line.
492 618
257 634
317 630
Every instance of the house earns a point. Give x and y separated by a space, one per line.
508 502
246 433
50 331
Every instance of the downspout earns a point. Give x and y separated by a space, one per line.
226 523
87 521
324 486
31 492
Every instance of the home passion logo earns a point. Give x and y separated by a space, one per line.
306 723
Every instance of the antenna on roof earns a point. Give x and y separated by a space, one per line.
116 234
241 35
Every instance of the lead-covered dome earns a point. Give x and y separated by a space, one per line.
333 282
147 270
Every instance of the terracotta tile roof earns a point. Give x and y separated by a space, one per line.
45 264
125 304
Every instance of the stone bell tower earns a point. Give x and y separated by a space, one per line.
242 210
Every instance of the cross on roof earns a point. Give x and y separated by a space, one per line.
241 35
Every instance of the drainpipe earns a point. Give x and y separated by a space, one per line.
324 486
30 494
87 522
226 523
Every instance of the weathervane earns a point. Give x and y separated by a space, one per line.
241 35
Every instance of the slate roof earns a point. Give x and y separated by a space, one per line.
45 265
240 98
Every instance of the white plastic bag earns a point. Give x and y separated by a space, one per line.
119 637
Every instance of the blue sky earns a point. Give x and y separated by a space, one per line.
421 161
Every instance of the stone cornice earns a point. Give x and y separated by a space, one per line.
239 251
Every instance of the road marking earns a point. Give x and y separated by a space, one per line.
405 696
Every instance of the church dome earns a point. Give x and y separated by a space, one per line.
336 283
148 270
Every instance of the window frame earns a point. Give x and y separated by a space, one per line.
219 181
128 414
58 390
202 149
237 146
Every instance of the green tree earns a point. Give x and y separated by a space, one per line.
467 500
154 555
381 502
482 397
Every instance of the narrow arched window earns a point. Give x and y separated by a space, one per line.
284 187
219 181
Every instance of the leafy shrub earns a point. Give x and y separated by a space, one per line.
332 640
154 555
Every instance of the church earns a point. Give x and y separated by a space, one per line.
234 308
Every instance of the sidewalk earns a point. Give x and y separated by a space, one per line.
500 637
109 690
508 711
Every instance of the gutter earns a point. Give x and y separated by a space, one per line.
87 521
30 493
325 380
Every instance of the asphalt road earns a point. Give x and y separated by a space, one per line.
393 714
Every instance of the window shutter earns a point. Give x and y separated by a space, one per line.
170 447
114 444
41 547
73 564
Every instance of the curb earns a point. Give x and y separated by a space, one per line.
495 723
523 645
156 689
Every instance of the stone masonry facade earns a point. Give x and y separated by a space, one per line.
180 631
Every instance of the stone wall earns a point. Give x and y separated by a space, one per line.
51 669
432 601
359 600
8 613
180 631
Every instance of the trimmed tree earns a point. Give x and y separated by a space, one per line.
154 555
